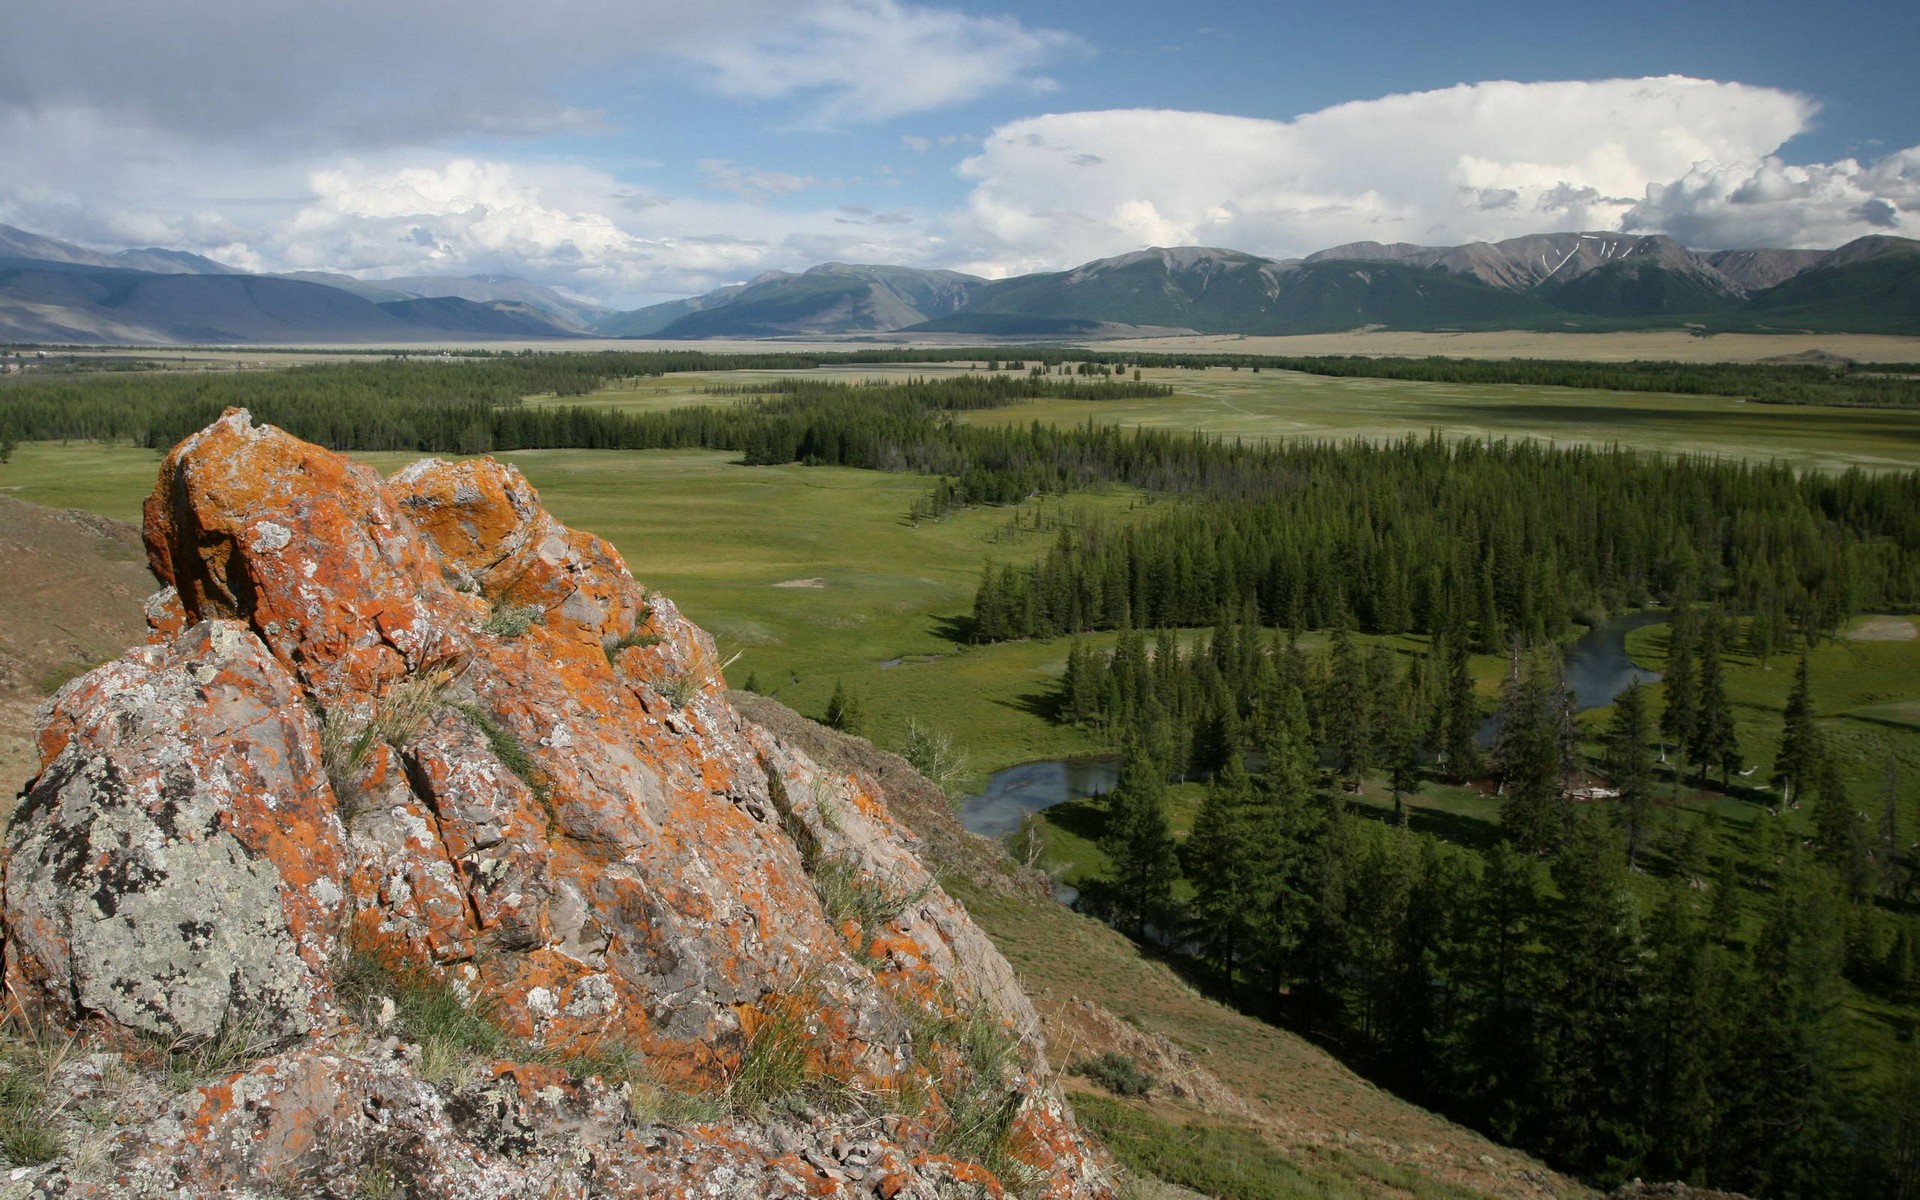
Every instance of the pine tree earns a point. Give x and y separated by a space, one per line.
1798 760
1225 861
845 711
1139 842
753 682
1629 765
1346 710
1715 742
1404 767
1679 713
1459 750
1838 828
1593 946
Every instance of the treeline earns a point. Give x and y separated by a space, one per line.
1500 539
427 404
475 408
1686 1026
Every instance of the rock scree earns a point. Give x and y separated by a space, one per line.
414 737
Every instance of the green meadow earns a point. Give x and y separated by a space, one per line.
1283 403
811 575
808 574
1268 404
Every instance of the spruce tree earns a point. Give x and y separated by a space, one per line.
1783 1134
1504 1032
1593 945
1795 766
845 711
1679 712
1224 860
1629 765
1837 826
1347 711
1080 686
1715 741
1404 766
1530 750
1139 842
1679 1032
1459 750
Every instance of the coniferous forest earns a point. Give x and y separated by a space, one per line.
1623 992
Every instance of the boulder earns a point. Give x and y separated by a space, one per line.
418 723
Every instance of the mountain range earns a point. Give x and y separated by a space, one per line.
1566 281
54 291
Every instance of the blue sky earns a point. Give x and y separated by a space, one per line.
628 151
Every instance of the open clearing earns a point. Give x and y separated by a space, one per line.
1883 629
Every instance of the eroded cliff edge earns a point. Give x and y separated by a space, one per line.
415 737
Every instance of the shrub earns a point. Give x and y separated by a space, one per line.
933 754
1115 1072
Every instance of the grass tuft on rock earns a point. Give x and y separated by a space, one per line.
452 1032
513 620
29 1056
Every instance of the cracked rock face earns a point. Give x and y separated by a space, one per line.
334 744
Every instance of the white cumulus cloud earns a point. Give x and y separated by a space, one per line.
569 227
1476 161
1774 203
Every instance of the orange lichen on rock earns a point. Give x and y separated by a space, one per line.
422 718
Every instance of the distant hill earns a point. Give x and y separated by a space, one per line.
574 315
1225 291
1559 281
70 302
830 298
1867 286
18 243
55 291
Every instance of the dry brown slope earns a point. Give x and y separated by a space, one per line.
71 586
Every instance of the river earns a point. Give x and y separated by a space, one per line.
1598 669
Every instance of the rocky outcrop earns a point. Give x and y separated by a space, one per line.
416 731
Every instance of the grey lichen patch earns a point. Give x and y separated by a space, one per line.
170 924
